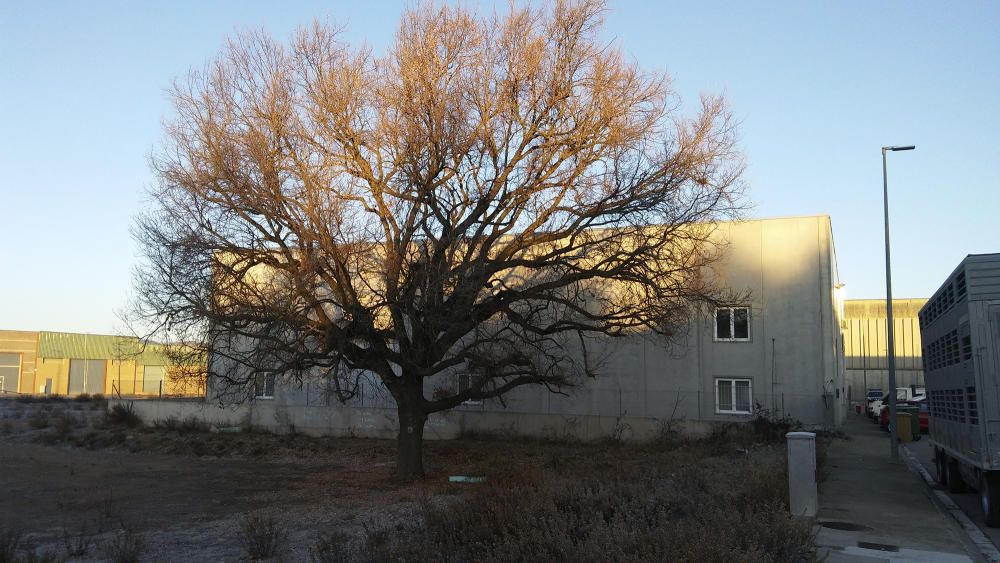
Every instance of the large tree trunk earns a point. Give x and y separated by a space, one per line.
410 446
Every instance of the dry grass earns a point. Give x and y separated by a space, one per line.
13 549
332 547
264 535
10 543
127 546
190 424
677 499
39 420
122 415
702 509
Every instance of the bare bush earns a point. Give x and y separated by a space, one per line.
43 556
39 420
78 543
332 547
63 425
264 535
126 546
10 542
190 424
122 415
695 515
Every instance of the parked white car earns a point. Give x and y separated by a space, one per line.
902 394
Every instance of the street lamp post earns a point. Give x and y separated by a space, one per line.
891 351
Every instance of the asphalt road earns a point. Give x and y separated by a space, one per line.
968 502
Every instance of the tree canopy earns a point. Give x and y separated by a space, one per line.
485 196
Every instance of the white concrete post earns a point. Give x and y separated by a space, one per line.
802 497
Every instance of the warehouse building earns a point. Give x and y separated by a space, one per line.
866 345
64 363
780 350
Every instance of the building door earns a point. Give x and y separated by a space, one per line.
10 372
152 379
86 376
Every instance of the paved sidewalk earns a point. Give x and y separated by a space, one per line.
874 509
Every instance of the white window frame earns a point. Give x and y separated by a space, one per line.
732 390
263 387
732 324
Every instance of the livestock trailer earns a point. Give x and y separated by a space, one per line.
960 332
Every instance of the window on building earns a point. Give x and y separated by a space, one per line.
733 396
10 371
732 324
467 381
264 386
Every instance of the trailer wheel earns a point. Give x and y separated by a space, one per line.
940 458
953 477
989 495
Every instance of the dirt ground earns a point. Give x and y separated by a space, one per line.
74 483
185 506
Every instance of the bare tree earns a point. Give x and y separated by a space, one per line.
487 197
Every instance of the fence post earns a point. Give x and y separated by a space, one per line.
161 388
802 496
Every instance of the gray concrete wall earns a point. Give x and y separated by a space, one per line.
373 422
794 357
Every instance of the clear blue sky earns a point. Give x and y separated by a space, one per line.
819 88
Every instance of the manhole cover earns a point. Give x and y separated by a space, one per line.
849 526
878 546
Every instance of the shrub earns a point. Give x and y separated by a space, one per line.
39 420
169 423
190 424
10 541
334 547
771 425
62 425
83 397
122 415
46 556
78 543
263 535
711 509
127 546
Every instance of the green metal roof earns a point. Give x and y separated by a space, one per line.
100 347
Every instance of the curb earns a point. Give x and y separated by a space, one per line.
986 547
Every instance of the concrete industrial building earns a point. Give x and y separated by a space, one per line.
865 343
65 363
781 350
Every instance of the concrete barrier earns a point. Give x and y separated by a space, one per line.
344 421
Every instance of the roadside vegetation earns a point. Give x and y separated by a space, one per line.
720 497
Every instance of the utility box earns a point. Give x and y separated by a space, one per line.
803 499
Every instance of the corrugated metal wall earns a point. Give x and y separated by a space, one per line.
98 347
866 344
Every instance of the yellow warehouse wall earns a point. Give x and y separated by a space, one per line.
56 369
25 344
